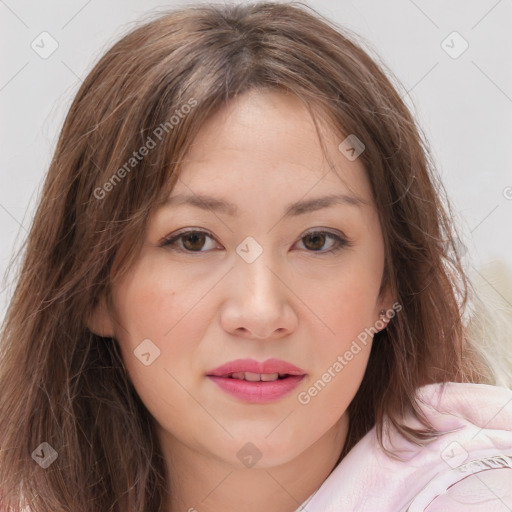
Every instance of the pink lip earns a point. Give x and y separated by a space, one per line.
257 392
250 365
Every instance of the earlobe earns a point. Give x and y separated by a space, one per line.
384 319
99 321
387 309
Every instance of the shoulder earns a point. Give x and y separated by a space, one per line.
476 403
472 458
480 485
467 467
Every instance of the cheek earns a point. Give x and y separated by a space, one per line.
152 302
347 308
150 306
347 301
340 358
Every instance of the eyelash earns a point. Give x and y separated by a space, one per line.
170 241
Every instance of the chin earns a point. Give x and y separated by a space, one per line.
261 451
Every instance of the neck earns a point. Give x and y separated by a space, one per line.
201 482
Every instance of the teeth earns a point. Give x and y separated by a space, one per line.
269 376
252 377
255 377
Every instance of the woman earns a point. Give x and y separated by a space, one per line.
241 289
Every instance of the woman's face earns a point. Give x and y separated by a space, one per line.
281 273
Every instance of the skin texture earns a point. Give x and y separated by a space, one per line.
295 302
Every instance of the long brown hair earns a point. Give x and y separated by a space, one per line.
62 384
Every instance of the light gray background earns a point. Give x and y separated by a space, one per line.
463 104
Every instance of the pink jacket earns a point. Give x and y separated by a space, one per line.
468 469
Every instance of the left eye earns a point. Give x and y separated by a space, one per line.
317 239
194 241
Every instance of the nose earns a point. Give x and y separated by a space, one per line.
259 301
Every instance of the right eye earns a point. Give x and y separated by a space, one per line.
188 241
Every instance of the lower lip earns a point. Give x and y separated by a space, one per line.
257 392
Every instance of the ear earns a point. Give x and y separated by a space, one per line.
385 300
100 321
385 303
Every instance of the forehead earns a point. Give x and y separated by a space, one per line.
265 143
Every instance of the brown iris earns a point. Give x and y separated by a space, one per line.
197 241
318 240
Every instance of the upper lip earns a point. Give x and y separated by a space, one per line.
250 365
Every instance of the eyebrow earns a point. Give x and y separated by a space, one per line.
301 207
